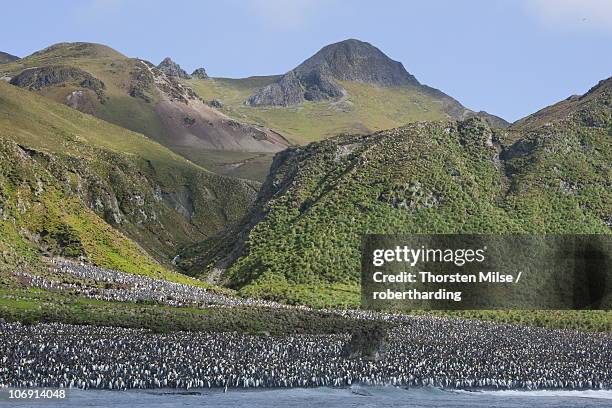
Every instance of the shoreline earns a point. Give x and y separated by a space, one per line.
354 388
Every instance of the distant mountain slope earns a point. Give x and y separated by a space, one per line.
5 57
67 171
320 78
134 94
347 87
301 241
576 105
315 79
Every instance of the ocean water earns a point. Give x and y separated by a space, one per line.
355 396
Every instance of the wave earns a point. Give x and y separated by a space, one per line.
595 394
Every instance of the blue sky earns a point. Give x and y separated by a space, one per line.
509 58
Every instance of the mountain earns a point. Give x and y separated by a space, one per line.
347 87
320 78
5 58
134 94
548 173
76 186
172 69
315 79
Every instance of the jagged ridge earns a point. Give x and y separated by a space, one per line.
172 69
134 94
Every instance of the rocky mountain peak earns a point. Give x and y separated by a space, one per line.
316 78
354 60
200 73
172 69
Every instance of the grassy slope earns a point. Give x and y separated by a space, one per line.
320 199
243 165
368 108
73 157
37 216
36 305
108 65
114 69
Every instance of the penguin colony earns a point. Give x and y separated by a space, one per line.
125 287
422 351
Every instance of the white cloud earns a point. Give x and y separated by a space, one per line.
572 15
285 14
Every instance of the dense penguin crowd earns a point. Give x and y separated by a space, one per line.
421 351
444 352
125 287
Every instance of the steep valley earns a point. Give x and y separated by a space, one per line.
76 186
549 173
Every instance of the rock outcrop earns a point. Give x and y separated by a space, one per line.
200 73
289 90
36 79
189 121
368 343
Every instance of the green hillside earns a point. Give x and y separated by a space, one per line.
367 108
301 242
134 94
76 186
229 136
348 87
112 68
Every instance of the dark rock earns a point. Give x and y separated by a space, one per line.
287 91
321 86
142 83
315 79
215 103
200 73
35 79
367 343
172 69
354 60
